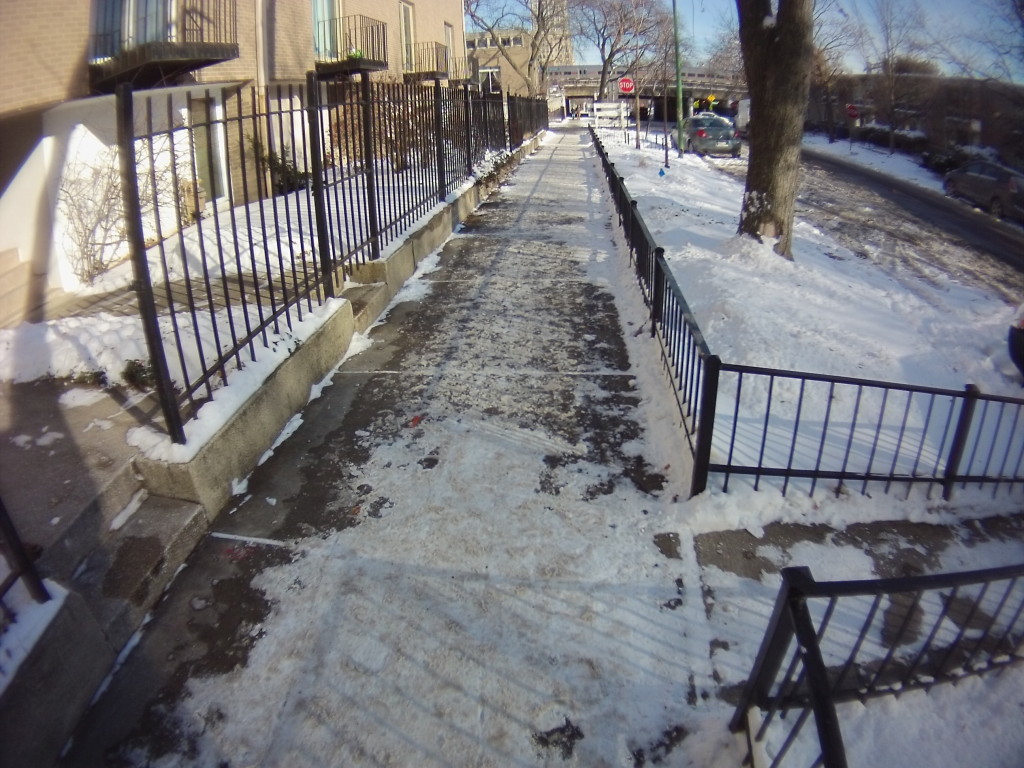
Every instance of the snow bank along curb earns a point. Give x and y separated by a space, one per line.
54 683
236 449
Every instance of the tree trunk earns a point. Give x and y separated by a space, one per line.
777 55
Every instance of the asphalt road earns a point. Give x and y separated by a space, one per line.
960 225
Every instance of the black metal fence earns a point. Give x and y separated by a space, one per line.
19 568
245 208
791 427
834 642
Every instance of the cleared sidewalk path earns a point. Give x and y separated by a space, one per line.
454 558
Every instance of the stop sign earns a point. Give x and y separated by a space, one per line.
851 112
626 85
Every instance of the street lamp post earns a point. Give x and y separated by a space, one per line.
679 82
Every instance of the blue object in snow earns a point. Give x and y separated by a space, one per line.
661 172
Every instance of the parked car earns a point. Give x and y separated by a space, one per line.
999 190
710 134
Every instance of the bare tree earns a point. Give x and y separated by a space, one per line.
544 23
617 29
835 34
651 40
724 53
993 51
893 36
777 42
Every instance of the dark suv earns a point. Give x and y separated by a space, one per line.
991 186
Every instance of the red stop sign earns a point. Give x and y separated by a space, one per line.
851 112
626 85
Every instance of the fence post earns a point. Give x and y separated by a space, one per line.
21 564
769 656
510 101
319 203
439 140
705 424
467 105
956 450
657 290
830 737
140 266
369 166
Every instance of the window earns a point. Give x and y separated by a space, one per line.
326 32
490 79
407 36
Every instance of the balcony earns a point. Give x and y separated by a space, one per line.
464 69
350 44
425 61
153 43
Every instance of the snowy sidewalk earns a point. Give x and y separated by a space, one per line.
455 559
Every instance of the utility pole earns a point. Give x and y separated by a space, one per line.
679 82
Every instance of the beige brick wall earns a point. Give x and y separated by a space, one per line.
244 67
45 48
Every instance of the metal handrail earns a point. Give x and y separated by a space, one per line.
20 564
975 443
868 667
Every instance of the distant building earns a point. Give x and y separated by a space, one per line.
941 112
499 71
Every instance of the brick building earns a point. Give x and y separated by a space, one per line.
63 61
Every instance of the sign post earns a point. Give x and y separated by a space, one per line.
853 114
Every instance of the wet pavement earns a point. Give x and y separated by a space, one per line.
450 559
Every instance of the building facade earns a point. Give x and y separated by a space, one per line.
64 60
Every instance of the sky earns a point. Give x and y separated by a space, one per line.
702 21
742 295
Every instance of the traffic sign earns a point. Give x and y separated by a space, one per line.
852 112
626 85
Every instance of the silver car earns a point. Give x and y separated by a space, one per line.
711 134
999 189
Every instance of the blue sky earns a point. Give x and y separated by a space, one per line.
701 20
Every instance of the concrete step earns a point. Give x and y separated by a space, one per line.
107 598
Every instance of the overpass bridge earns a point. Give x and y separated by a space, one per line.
578 84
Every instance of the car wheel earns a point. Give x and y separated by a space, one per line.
996 208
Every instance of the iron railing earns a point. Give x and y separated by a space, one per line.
426 60
526 117
244 208
842 641
19 568
356 43
792 426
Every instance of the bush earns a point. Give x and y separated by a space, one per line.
284 176
139 374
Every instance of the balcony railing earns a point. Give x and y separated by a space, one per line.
350 44
463 70
425 61
154 42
